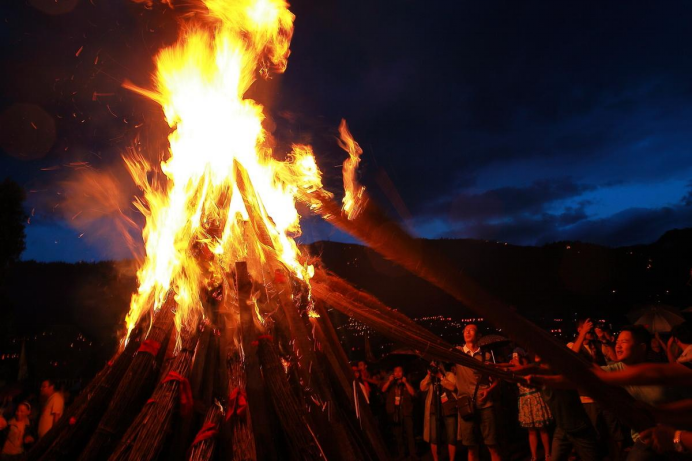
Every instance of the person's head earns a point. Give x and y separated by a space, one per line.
47 388
590 334
602 331
654 345
23 411
362 365
398 372
519 357
357 372
682 335
471 334
632 344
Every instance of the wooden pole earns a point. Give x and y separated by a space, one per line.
386 237
263 423
134 388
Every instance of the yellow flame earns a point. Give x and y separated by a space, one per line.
198 218
354 197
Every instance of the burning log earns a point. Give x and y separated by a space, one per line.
62 441
202 447
134 388
145 436
383 235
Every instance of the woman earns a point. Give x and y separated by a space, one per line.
17 431
533 413
448 410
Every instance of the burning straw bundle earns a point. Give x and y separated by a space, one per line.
145 436
134 388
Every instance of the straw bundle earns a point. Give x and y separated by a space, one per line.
134 388
205 441
145 437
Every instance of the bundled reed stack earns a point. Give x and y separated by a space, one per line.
135 387
145 437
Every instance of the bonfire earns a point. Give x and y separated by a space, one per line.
230 352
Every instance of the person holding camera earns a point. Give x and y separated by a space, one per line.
399 406
474 392
441 409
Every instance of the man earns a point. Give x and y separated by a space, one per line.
631 348
439 387
52 409
592 343
479 388
399 407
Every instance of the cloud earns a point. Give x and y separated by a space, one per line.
512 201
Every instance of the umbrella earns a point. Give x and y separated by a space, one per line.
492 339
658 318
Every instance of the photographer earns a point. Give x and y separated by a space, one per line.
441 409
399 407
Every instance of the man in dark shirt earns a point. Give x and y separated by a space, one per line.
573 426
399 407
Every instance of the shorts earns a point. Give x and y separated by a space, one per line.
448 425
481 428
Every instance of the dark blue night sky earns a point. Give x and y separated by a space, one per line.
521 122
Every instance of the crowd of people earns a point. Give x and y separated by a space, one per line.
462 413
24 422
454 411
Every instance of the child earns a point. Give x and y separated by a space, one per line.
533 413
18 430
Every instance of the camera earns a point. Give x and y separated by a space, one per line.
434 368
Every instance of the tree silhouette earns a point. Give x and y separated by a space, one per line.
12 220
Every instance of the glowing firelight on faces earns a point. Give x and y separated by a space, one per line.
196 220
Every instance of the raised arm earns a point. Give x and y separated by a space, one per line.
584 329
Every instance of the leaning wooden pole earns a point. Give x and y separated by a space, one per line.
388 238
262 422
145 436
134 388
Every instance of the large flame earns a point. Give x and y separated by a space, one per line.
220 174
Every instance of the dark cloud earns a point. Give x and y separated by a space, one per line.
631 226
509 202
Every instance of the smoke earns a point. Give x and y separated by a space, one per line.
98 204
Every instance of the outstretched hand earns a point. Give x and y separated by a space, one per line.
660 438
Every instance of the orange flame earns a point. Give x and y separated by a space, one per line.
354 197
220 174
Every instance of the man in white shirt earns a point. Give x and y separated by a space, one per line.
52 409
